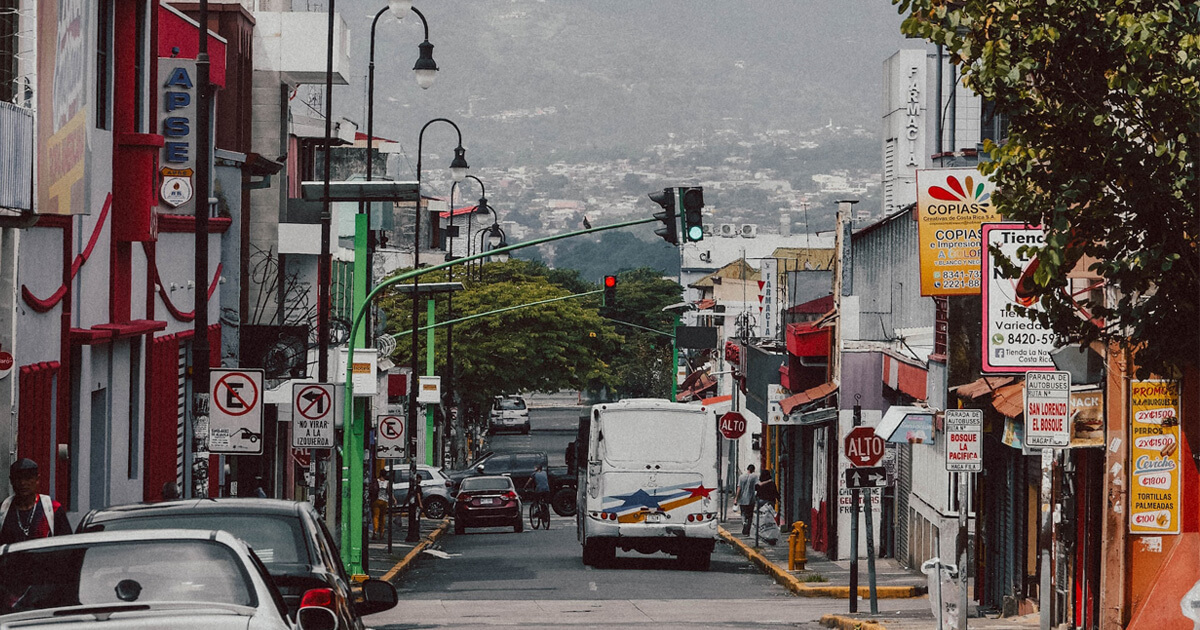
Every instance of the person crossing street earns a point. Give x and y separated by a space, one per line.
27 515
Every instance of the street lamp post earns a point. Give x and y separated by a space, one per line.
450 298
458 171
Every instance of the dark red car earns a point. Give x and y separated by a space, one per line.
490 501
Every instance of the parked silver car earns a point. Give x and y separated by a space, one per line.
436 489
167 578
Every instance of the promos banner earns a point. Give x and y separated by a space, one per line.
952 204
1154 471
1012 342
64 79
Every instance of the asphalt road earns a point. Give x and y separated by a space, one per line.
536 579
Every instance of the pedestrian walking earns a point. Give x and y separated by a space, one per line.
27 515
765 489
380 501
745 497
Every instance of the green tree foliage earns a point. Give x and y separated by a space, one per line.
616 251
1103 100
559 345
642 364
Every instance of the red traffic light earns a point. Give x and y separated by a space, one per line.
610 281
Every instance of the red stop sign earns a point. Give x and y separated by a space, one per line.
863 447
733 425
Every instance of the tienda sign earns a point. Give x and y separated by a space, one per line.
952 206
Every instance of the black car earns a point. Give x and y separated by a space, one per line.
487 502
520 466
288 536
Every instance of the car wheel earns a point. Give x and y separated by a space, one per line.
459 526
436 508
519 526
563 502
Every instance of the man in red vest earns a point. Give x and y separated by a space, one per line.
28 515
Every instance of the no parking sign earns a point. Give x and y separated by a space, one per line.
235 418
391 437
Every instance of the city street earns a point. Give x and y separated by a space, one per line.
493 577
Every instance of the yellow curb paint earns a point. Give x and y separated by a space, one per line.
412 554
791 583
849 623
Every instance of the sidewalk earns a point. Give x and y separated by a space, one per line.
822 577
386 566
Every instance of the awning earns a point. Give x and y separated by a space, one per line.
905 377
906 424
985 385
1010 400
816 393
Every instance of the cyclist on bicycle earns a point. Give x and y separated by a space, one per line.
540 482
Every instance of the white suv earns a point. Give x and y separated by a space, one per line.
509 412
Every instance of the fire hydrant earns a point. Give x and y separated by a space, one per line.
797 547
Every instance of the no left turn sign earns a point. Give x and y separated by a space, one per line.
312 415
235 414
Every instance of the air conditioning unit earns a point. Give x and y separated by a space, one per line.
749 230
727 230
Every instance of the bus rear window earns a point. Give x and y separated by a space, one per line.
662 437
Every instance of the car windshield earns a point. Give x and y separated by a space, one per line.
276 539
476 484
119 573
510 404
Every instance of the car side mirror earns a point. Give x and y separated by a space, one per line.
479 469
316 618
377 596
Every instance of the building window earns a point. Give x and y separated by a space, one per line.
9 28
104 31
141 63
993 124
135 407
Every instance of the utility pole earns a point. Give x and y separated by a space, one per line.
854 524
200 346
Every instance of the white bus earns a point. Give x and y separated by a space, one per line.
647 472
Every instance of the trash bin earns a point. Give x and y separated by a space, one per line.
944 592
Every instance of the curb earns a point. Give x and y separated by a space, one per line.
408 558
849 623
791 583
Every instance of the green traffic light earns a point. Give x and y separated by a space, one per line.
695 233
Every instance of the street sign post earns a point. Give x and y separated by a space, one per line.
733 425
1047 409
391 440
964 440
863 447
866 477
312 415
235 420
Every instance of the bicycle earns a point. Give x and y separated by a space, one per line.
539 514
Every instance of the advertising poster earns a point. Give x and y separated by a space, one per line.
1012 342
64 78
952 205
1154 485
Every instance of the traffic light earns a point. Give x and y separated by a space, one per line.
610 291
670 230
693 222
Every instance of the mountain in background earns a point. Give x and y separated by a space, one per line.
536 81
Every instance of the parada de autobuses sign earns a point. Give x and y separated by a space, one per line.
952 206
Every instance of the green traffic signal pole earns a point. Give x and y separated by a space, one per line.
354 428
